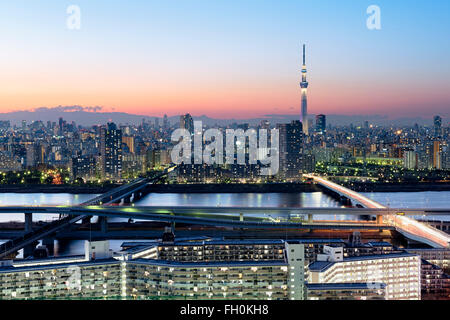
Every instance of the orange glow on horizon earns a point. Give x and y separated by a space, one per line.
229 98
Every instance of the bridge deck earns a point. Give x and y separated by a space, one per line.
410 227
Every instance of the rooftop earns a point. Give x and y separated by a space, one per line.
199 242
10 269
162 263
379 244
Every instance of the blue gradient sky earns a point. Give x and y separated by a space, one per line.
227 58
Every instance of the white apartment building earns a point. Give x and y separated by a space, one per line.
400 272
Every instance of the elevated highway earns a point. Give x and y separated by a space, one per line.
408 226
66 219
233 217
234 213
224 221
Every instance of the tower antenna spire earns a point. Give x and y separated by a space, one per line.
304 54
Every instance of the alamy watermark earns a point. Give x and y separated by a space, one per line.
74 280
73 21
239 147
374 20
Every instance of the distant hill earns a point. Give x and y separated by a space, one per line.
80 115
88 116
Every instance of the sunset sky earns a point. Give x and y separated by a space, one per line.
227 58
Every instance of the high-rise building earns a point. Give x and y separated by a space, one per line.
35 154
133 164
186 122
166 124
84 167
321 123
290 149
410 159
308 162
111 152
437 154
424 156
437 126
61 126
129 141
445 157
153 158
304 90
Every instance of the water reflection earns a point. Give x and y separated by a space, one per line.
426 199
39 199
295 200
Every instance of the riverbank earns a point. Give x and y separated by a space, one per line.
398 187
41 188
293 188
227 188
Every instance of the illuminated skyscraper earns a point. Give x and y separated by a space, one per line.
437 154
304 90
291 149
111 152
321 123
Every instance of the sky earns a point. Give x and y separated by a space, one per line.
227 58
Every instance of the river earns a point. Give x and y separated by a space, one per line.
306 199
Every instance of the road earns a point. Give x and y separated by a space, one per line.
408 226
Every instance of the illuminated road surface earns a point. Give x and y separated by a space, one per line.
402 223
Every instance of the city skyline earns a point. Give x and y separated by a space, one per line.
223 58
201 152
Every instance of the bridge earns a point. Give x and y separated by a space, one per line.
269 219
66 219
228 217
407 226
242 214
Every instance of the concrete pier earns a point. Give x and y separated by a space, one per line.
103 221
28 222
49 242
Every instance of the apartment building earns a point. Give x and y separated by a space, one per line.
399 272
